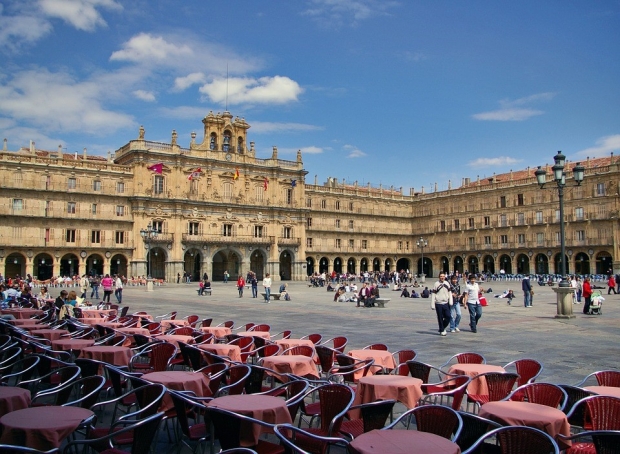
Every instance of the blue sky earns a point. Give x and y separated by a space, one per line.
403 93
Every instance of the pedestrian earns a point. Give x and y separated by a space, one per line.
178 278
94 284
455 309
587 294
472 290
579 290
107 283
267 287
441 300
226 276
118 292
240 285
254 284
611 282
526 286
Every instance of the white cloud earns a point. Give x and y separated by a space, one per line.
16 31
82 14
242 90
184 112
304 150
493 162
145 47
144 95
182 83
511 111
353 151
265 127
56 102
604 146
347 11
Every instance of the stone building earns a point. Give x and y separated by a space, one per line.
216 207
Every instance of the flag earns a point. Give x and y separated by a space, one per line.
236 173
293 183
157 168
195 174
265 183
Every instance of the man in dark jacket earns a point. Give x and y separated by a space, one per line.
526 285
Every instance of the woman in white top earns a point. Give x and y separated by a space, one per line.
473 302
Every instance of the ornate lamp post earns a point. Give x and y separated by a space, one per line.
422 243
565 309
148 235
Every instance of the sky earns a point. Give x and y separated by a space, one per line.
406 93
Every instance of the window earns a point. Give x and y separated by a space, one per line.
442 225
193 186
600 189
351 244
71 207
580 235
487 221
503 221
120 187
337 204
258 231
557 237
96 185
502 201
337 223
323 204
308 242
95 236
18 204
309 222
540 238
308 203
351 225
557 215
258 193
93 208
364 244
579 214
289 196
407 245
520 219
193 228
487 240
17 232
288 232
227 230
120 210
338 243
503 239
520 200
471 241
521 238
119 237
470 223
457 224
70 235
71 183
158 226
228 190
158 184
539 217
350 206
400 246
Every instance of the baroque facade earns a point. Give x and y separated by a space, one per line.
216 207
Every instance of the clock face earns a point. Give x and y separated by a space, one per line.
228 157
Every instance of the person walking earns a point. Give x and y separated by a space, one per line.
240 285
118 291
94 283
611 282
107 283
267 287
441 300
455 309
226 276
526 286
587 294
472 290
254 284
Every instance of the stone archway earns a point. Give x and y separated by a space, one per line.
226 261
458 264
402 264
363 265
324 265
43 266
192 261
94 265
338 265
604 263
556 263
286 265
523 264
118 265
472 264
69 265
582 264
257 264
351 265
488 264
376 264
505 264
15 265
156 263
445 264
309 266
542 264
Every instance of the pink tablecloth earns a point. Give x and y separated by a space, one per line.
167 324
175 338
231 351
477 387
604 390
42 428
263 334
117 356
406 390
217 331
265 408
402 442
510 413
49 334
22 313
179 381
382 358
12 398
71 344
291 364
97 313
288 343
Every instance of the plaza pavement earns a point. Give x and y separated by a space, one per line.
568 349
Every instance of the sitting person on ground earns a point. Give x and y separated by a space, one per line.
426 293
405 292
414 294
337 295
330 287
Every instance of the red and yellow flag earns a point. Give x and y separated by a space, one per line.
236 173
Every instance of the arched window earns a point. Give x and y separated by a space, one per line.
213 141
226 144
240 147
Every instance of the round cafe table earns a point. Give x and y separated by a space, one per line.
22 313
24 321
92 320
49 334
406 390
231 351
291 364
269 409
167 324
175 338
288 343
67 344
402 442
263 334
29 325
117 356
13 398
41 428
217 331
97 313
382 358
513 413
178 380
604 390
477 387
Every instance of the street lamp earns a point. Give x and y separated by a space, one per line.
422 243
559 175
148 235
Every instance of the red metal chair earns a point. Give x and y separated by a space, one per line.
500 385
601 412
604 378
376 347
327 357
237 377
422 371
288 435
528 370
286 334
475 427
452 395
196 433
192 320
159 357
184 331
465 358
518 440
338 343
304 350
314 338
540 393
206 322
261 327
373 415
598 442
246 345
227 324
435 419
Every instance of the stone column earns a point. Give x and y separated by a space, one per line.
564 297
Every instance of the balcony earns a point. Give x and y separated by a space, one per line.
289 241
83 243
162 238
221 239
